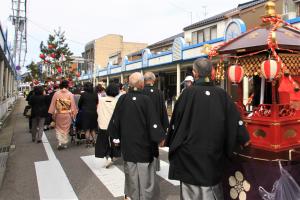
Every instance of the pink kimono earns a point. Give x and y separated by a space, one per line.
63 108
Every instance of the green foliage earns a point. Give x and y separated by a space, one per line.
34 70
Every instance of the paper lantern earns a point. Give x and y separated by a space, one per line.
18 67
235 73
213 73
270 69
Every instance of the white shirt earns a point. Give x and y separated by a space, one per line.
105 110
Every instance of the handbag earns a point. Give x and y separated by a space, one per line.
27 111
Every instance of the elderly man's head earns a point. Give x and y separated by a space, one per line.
202 68
136 80
149 78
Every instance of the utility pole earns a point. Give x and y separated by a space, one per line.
19 20
204 12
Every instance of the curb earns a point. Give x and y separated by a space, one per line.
5 148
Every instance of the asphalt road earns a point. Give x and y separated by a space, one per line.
40 171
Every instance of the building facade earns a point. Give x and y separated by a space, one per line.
110 47
8 76
171 59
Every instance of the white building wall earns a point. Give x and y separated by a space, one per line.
133 66
160 60
220 30
115 70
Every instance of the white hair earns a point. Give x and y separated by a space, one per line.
149 76
135 79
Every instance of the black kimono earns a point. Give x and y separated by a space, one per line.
136 124
158 101
204 129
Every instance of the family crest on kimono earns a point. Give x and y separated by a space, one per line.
204 129
157 98
136 124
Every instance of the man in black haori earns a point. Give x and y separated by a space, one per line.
205 128
160 107
136 125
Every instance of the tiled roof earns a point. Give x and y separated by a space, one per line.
250 4
209 20
221 16
165 41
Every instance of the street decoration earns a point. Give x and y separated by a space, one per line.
235 73
270 69
57 57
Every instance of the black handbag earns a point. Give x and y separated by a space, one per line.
27 111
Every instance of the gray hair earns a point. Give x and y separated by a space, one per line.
149 76
135 79
203 66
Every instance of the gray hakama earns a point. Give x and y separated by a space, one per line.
194 192
140 181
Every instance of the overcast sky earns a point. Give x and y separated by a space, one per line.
84 20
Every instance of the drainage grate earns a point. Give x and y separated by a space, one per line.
4 149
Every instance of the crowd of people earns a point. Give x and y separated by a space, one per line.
204 129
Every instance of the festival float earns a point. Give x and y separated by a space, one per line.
270 168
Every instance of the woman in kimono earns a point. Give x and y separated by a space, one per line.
63 110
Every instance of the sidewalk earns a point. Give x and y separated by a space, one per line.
6 134
19 181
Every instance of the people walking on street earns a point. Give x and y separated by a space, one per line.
100 90
204 129
63 109
104 145
160 107
121 89
87 105
51 91
27 99
135 124
188 82
38 103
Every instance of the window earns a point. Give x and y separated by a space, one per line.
298 9
200 36
204 35
172 79
194 38
213 33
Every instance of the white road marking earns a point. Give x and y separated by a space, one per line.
48 149
52 180
113 178
164 171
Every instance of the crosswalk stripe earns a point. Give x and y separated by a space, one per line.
113 178
164 171
52 180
